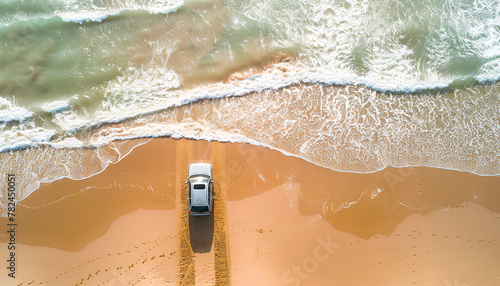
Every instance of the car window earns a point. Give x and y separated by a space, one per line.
199 187
199 209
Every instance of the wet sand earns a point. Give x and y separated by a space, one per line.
277 220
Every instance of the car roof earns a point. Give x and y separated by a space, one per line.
199 197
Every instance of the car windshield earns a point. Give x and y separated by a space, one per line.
199 186
199 209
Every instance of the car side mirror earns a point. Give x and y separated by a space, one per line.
186 182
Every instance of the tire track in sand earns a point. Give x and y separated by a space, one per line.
185 257
221 242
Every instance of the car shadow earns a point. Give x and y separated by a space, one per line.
201 232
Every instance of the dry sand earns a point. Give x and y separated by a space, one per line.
277 220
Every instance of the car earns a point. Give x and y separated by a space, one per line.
200 189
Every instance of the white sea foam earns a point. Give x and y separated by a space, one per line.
399 46
87 16
141 92
68 143
330 78
80 11
346 128
31 137
99 14
10 112
56 106
488 78
87 11
185 129
145 91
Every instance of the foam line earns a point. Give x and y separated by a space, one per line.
81 17
257 83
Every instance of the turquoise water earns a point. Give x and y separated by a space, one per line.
81 73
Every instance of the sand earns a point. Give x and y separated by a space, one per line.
278 220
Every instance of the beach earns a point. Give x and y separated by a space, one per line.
278 220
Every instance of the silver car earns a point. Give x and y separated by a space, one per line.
200 195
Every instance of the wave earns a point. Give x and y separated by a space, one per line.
139 93
400 110
97 16
406 87
10 112
81 17
30 138
82 11
344 128
56 106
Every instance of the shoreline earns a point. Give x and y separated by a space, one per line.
38 149
404 171
182 107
